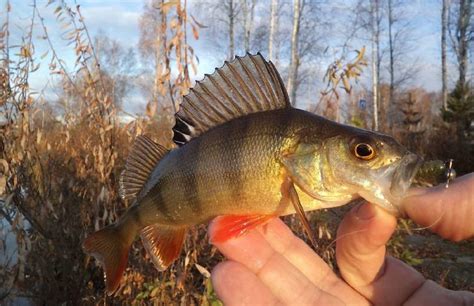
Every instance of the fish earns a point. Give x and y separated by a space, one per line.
243 156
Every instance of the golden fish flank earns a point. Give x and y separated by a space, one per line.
245 156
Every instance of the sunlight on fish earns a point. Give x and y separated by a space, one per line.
245 156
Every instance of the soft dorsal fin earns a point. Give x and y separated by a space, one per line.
141 161
246 85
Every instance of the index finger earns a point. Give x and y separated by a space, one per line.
446 211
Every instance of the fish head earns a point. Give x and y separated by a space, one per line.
374 166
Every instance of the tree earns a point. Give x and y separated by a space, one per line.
231 14
444 69
462 37
273 29
374 7
118 66
294 59
401 68
248 9
460 103
222 22
153 47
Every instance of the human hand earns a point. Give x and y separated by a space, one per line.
449 212
272 266
384 280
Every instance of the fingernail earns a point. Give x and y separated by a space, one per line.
365 211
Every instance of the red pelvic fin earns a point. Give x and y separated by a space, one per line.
111 252
227 227
163 244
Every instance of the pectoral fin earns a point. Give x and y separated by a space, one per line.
163 244
226 227
295 200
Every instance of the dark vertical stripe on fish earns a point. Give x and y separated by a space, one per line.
193 194
236 182
284 125
160 204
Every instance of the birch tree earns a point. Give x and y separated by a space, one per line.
462 37
444 69
222 25
294 60
391 49
231 15
374 7
401 66
248 10
273 29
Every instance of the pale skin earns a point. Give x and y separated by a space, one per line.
271 266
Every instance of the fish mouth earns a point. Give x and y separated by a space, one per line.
392 183
404 175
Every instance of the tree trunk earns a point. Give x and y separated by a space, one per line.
162 65
293 71
375 64
390 46
444 69
463 38
231 16
273 24
248 12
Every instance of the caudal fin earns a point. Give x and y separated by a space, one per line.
111 250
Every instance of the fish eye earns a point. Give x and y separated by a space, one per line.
364 151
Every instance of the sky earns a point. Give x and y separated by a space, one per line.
119 20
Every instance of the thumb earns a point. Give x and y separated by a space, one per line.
361 258
361 239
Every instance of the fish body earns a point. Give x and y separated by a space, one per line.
246 156
235 168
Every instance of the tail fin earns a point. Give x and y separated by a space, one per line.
109 248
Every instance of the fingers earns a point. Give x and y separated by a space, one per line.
262 252
360 253
237 285
303 258
446 211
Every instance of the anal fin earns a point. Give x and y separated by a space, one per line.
163 244
231 226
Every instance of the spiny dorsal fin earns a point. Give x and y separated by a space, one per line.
246 85
163 244
141 161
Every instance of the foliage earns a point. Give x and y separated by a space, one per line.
60 166
461 109
460 114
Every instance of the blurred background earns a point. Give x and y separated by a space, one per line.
79 80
